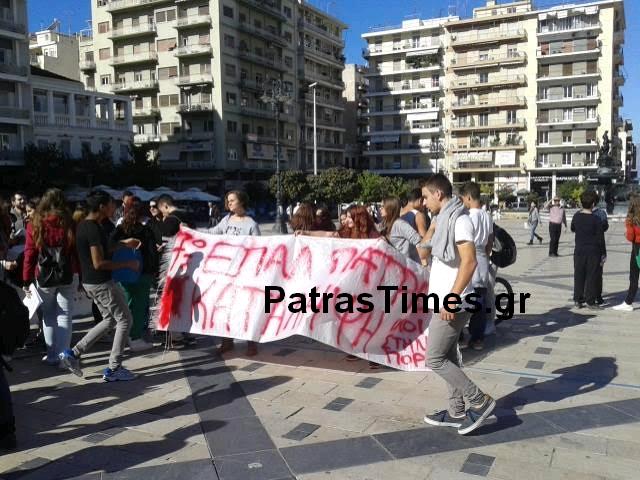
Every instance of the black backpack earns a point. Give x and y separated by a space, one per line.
14 320
504 252
54 268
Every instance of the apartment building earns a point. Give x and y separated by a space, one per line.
55 52
356 85
628 152
77 120
198 71
15 94
406 88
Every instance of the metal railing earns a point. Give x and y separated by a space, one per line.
195 107
472 123
193 20
12 69
116 5
261 59
139 85
495 101
322 30
87 65
8 22
554 121
14 112
553 27
146 112
567 49
558 98
401 47
546 76
194 49
138 29
480 36
194 79
263 32
497 80
488 59
149 56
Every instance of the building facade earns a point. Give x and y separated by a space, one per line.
197 71
356 85
15 93
55 52
405 98
527 93
628 153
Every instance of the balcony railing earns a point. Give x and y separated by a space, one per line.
11 69
271 35
490 102
261 59
197 78
477 144
11 158
141 29
406 46
195 49
257 111
195 107
562 121
562 98
266 6
392 109
472 124
149 56
544 76
332 102
117 5
325 54
252 85
485 60
405 69
321 29
14 112
313 76
139 85
146 112
563 27
474 82
8 22
568 50
87 65
192 20
487 36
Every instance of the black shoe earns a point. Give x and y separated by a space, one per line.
540 240
530 243
477 415
594 306
578 304
443 419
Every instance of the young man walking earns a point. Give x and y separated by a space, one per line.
557 218
454 261
96 268
483 241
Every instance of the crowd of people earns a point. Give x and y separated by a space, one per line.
54 250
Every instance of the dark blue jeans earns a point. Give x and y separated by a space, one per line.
478 321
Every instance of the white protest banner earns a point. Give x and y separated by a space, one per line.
351 294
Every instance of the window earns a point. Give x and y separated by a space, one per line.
567 114
229 41
592 90
105 79
165 73
287 11
104 53
169 100
103 27
483 119
568 91
483 78
544 93
232 127
543 138
591 113
166 16
483 55
544 159
230 70
167 44
566 136
232 155
590 158
511 117
288 61
227 11
231 98
567 158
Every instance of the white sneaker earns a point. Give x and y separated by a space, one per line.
139 345
623 307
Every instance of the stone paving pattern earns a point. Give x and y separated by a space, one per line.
567 381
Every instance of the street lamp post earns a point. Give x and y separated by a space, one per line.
315 133
276 98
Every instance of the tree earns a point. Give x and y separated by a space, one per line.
335 185
571 190
374 188
505 194
258 193
294 184
141 169
44 167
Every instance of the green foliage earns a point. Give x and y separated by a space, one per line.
374 188
506 194
486 190
533 197
45 167
295 186
258 193
141 169
572 190
335 186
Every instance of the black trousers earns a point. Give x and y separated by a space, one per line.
585 278
554 233
634 272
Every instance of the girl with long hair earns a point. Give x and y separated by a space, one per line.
304 218
632 233
137 293
51 246
398 232
323 221
358 224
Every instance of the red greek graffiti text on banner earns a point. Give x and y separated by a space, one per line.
269 288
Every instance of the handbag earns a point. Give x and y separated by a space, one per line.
527 226
54 268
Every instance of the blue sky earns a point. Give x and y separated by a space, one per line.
362 14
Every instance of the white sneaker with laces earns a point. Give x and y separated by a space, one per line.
623 307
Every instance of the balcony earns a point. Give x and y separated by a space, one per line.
252 85
511 58
258 112
134 86
15 70
339 103
140 138
569 77
192 21
475 83
399 71
8 25
195 79
11 158
403 149
266 6
475 145
409 47
472 104
408 129
555 32
146 112
142 57
472 125
87 65
619 78
193 50
567 52
192 108
323 55
143 29
487 37
270 61
121 5
406 109
568 146
324 80
561 100
15 115
570 123
404 88
618 101
270 35
321 30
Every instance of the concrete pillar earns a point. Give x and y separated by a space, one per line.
72 109
92 111
528 181
554 185
52 117
112 114
129 115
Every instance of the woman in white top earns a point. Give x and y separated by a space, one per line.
398 232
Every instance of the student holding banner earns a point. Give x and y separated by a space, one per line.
237 223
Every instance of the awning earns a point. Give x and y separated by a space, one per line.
422 116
